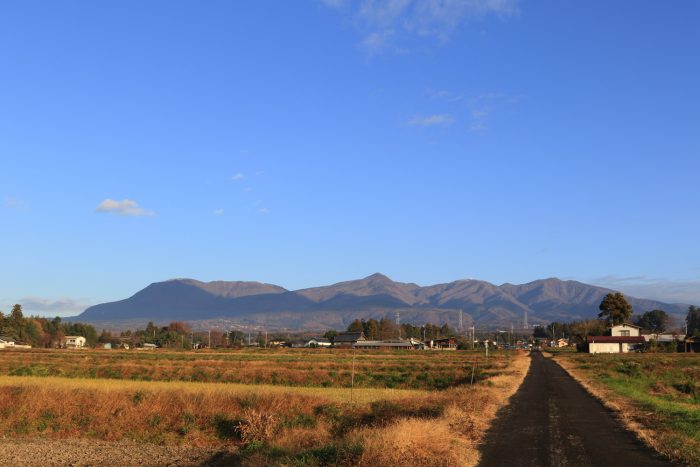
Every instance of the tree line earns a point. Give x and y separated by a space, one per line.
41 332
386 329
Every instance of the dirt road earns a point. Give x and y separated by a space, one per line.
553 421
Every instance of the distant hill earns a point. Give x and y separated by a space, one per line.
375 296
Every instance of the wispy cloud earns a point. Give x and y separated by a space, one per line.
431 120
51 307
218 212
384 23
264 210
238 177
125 207
10 202
477 109
662 289
334 3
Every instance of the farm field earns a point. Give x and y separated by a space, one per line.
298 367
416 408
657 395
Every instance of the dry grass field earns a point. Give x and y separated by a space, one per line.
416 408
656 395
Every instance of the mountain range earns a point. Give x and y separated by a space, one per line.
376 296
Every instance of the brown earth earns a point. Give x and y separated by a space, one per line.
83 452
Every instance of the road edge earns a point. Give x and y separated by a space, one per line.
605 396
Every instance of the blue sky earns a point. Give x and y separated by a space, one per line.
304 143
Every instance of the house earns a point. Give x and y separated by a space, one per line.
445 343
73 342
6 342
560 343
348 339
624 338
318 342
278 343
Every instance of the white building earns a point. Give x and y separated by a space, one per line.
74 342
624 338
318 342
6 342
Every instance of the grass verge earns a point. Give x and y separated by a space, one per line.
656 396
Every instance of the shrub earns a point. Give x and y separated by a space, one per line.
257 426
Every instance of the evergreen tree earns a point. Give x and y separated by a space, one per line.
693 320
615 309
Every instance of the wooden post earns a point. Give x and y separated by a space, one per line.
352 375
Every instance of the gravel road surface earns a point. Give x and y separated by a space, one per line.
82 452
553 421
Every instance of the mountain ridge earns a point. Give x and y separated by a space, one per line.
374 296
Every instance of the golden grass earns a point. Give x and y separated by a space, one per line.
451 439
339 395
272 424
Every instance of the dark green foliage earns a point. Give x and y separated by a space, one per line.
615 309
693 321
654 321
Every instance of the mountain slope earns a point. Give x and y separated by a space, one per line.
375 296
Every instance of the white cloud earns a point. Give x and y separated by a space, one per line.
264 211
218 212
238 177
431 120
125 207
401 20
51 307
662 289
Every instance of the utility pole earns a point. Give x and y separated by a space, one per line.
461 322
511 333
473 332
398 322
210 338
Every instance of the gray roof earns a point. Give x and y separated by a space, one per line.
349 337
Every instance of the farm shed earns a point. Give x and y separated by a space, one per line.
400 344
73 342
446 343
692 344
318 342
348 339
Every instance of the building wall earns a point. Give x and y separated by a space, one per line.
617 330
595 347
